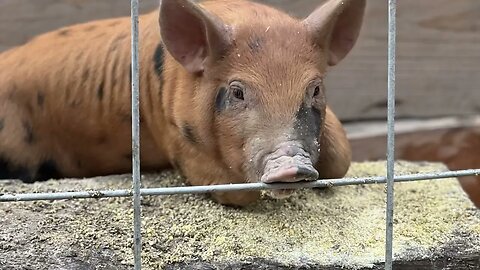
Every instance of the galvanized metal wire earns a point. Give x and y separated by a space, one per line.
232 187
136 177
392 30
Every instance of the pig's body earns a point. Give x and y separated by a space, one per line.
65 101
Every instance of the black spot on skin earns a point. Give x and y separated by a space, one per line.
130 73
100 91
90 28
255 44
221 99
189 133
2 124
40 98
47 170
64 32
158 60
8 171
85 75
307 123
29 137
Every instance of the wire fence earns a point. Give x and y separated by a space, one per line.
392 31
136 192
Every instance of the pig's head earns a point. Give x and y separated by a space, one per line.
259 77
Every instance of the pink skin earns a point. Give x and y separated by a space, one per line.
288 164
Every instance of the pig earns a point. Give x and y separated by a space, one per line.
456 147
231 91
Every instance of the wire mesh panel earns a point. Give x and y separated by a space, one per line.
136 192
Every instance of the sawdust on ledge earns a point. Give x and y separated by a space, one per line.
342 226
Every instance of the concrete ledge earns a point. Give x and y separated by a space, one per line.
436 227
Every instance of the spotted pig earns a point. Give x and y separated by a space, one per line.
231 91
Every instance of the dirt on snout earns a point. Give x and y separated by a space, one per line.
321 229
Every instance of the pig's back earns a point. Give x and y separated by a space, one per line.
71 87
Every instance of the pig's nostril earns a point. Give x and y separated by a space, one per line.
289 163
291 174
307 174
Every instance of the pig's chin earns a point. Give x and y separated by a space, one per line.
280 194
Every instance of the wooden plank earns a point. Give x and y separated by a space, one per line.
438 62
438 51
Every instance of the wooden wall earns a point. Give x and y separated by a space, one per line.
438 51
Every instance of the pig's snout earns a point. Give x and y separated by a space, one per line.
289 163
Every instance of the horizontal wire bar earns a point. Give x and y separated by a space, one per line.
233 187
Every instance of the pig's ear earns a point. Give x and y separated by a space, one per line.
191 34
335 26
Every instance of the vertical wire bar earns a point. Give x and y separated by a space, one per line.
137 237
392 6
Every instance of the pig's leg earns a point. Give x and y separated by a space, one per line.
335 151
200 170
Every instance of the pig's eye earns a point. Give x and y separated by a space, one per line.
316 91
237 91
